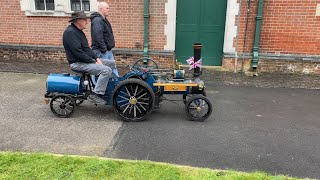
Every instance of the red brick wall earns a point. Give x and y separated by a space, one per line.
291 27
282 66
33 54
126 18
162 61
16 28
279 66
158 19
288 27
246 33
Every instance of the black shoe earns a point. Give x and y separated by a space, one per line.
96 99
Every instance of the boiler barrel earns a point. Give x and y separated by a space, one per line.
64 83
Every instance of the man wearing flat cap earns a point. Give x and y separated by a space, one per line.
82 58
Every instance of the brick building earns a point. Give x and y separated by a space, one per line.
288 39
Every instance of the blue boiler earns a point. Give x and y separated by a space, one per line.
64 83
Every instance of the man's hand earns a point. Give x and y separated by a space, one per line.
98 61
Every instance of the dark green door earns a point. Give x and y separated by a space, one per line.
201 21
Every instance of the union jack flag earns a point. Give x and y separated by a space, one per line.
197 64
190 60
193 64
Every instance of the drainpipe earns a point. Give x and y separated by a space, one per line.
146 29
237 40
255 60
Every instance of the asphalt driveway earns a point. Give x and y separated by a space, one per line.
251 129
276 130
27 124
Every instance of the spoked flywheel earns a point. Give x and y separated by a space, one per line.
198 108
145 63
62 105
133 100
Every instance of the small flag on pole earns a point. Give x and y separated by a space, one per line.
193 64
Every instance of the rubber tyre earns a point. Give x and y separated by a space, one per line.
121 102
192 103
66 105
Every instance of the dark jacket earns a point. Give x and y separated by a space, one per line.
76 46
101 33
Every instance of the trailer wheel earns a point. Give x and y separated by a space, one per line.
198 108
133 100
62 105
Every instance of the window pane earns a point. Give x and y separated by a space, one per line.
50 4
85 5
75 5
39 4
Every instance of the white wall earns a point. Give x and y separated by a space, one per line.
231 28
170 27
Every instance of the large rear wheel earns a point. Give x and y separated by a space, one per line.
133 100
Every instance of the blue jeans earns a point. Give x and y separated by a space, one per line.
104 72
108 57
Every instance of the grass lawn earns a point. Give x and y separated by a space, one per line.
15 165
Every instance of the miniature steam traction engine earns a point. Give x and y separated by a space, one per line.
135 94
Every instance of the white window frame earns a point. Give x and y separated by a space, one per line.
62 8
45 5
80 4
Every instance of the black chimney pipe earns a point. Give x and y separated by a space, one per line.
197 56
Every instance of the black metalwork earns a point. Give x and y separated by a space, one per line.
197 56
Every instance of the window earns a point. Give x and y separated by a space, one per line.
44 5
80 5
57 7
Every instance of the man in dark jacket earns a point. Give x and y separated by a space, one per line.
82 58
102 35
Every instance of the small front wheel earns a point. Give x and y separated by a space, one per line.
62 105
198 108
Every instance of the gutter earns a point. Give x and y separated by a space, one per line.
255 60
146 16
